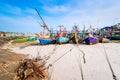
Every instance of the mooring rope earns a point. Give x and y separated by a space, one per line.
50 75
38 50
52 64
80 67
38 57
61 57
48 56
82 53
106 56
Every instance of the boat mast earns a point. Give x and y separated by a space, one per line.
44 25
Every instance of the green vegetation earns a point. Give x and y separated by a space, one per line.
25 40
20 40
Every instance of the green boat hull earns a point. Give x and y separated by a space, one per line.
115 38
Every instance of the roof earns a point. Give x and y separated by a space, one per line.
106 27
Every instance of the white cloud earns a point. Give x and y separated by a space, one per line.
99 16
91 13
55 9
30 11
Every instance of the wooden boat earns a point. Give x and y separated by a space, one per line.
76 40
104 40
91 40
45 41
109 37
61 40
115 38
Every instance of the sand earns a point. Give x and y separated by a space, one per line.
67 60
9 61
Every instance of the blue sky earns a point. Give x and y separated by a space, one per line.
19 15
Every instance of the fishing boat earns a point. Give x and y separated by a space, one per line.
104 40
32 38
45 41
111 33
91 40
61 36
76 39
61 40
115 38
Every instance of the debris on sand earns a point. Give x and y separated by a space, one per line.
31 69
8 63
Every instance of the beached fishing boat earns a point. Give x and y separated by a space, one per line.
62 40
91 40
45 41
115 38
32 38
104 40
76 39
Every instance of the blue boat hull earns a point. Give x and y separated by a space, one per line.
91 40
109 37
113 37
62 40
46 41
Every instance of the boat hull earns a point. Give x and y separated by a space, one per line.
115 38
91 40
62 40
46 41
32 38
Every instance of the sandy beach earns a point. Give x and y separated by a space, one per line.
59 40
66 61
9 61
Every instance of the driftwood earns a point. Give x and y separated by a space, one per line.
30 69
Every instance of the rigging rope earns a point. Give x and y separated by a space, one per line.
80 66
113 74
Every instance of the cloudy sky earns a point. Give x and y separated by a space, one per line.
19 15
